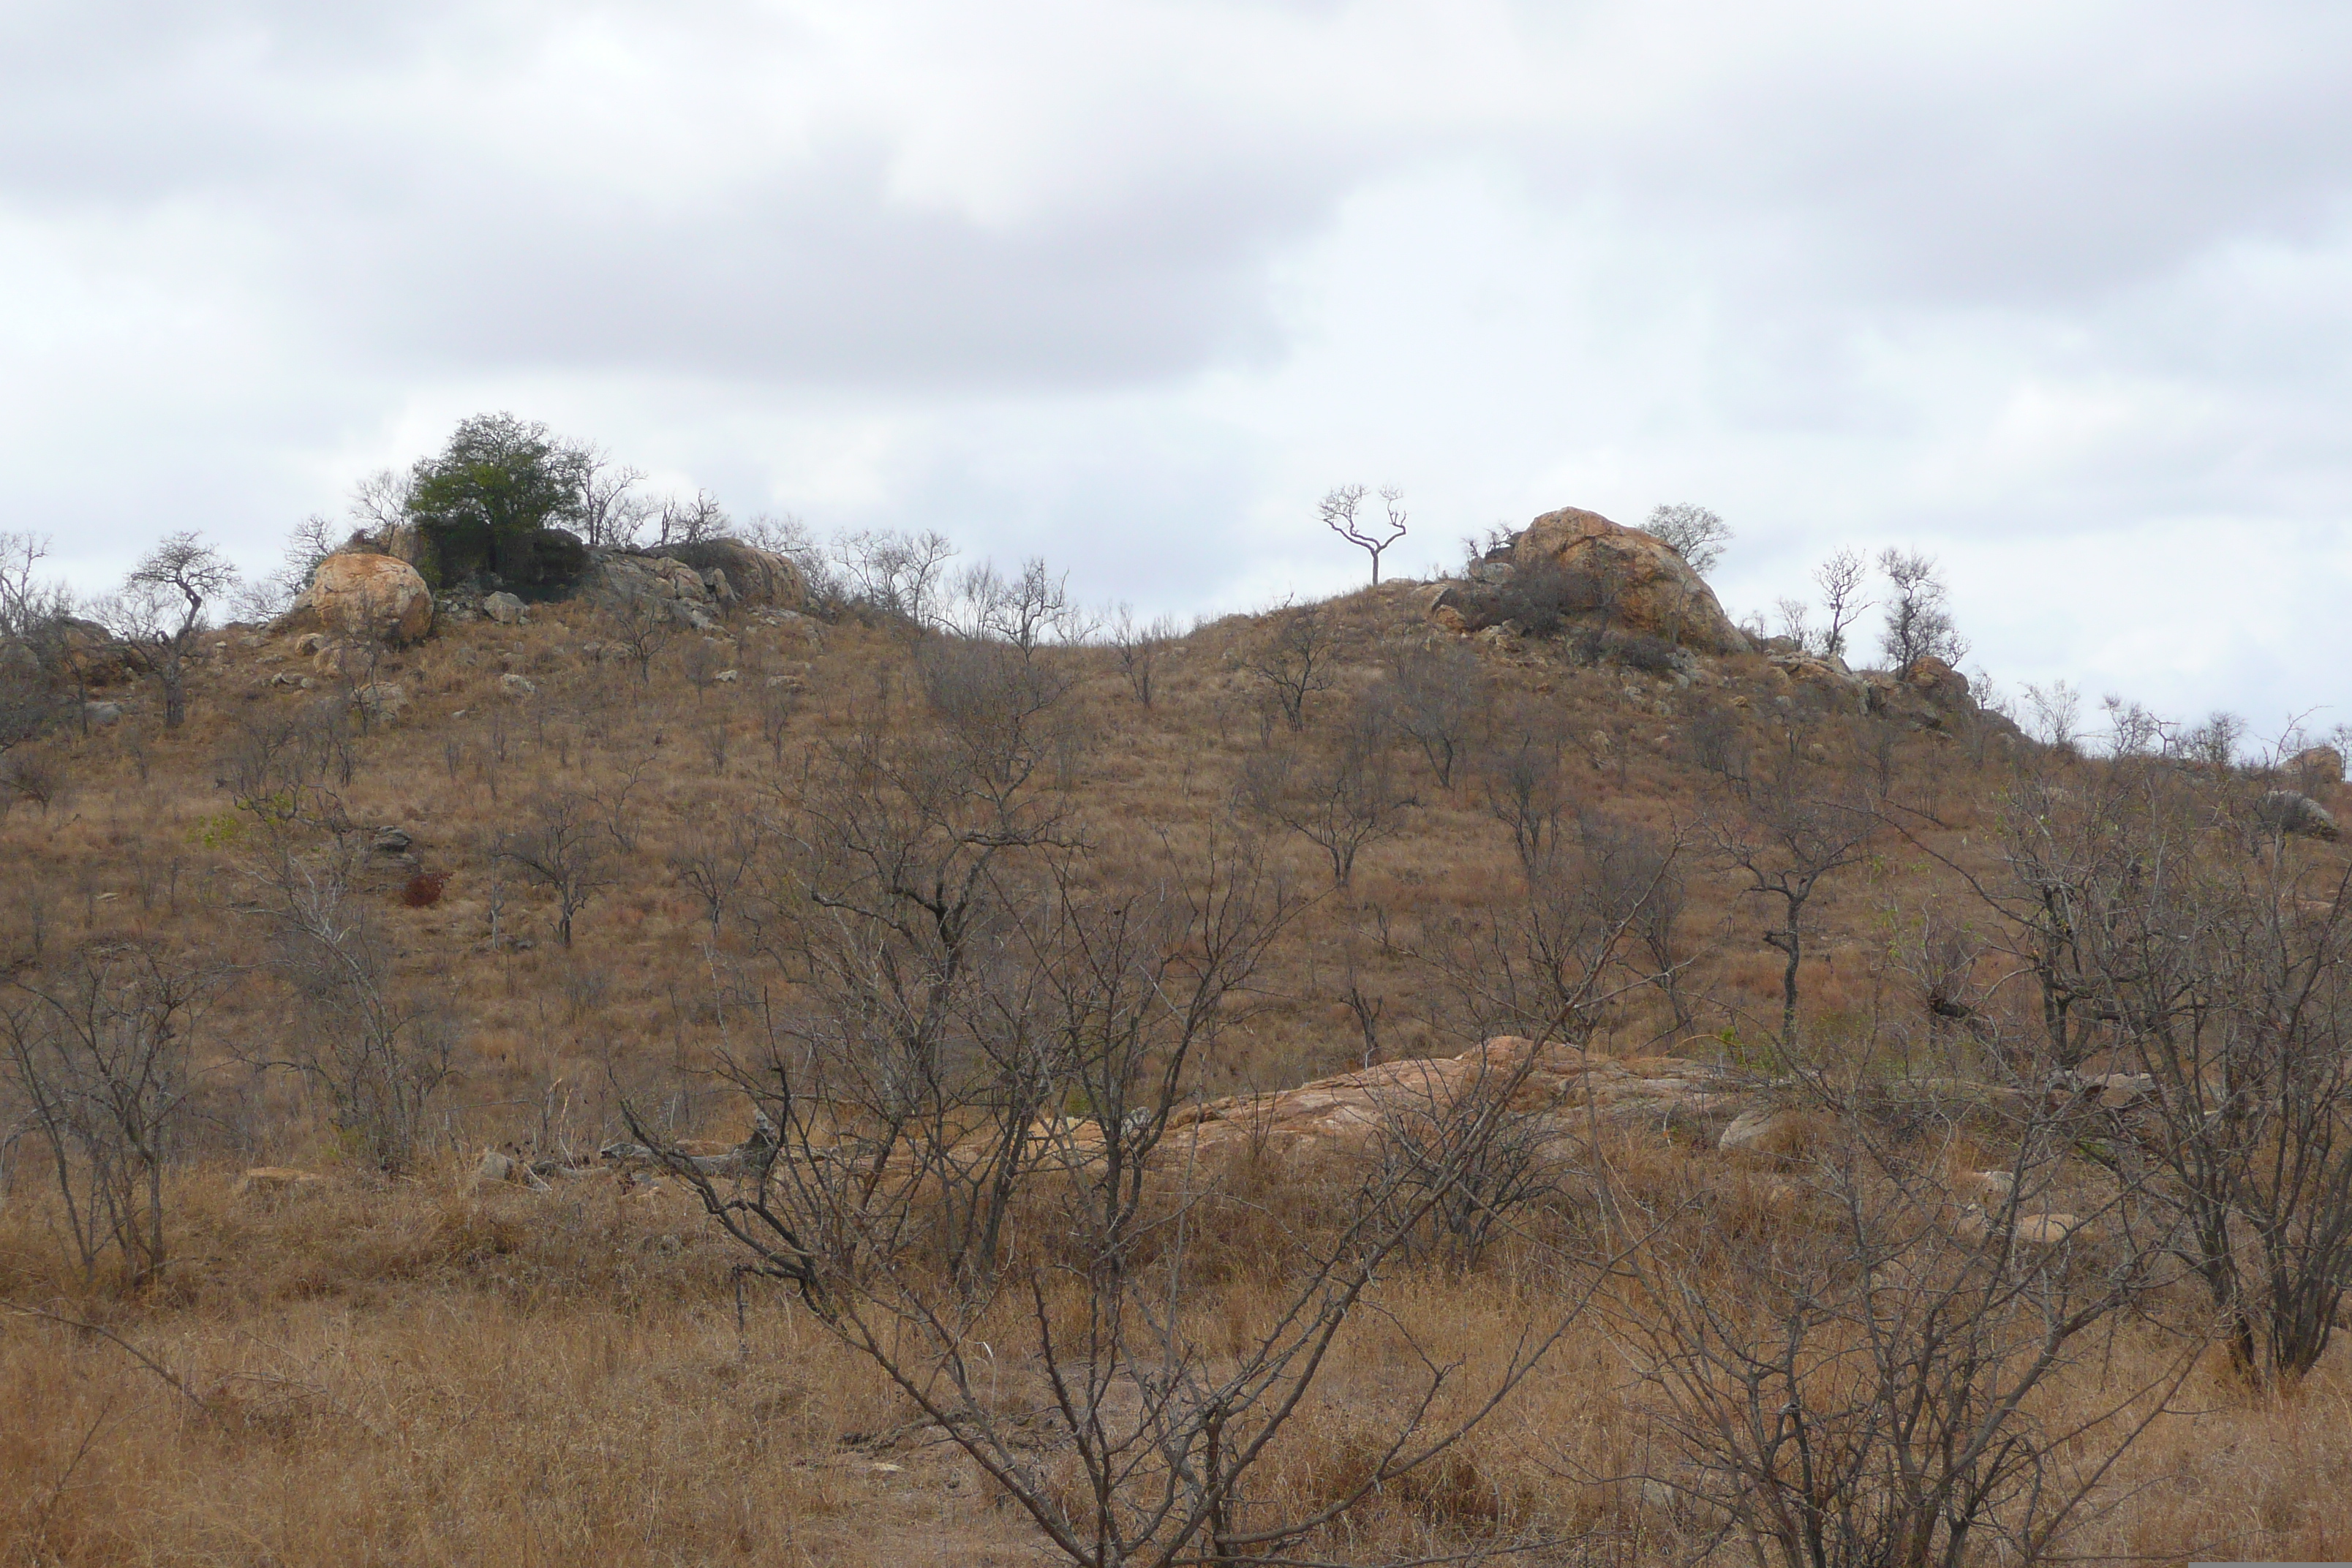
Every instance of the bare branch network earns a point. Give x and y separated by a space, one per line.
1342 514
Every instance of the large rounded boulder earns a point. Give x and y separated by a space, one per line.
1645 586
355 595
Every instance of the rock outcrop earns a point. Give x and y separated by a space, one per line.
621 578
355 595
2316 767
2286 811
1579 565
745 573
1558 1093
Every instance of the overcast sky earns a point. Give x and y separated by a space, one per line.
2061 294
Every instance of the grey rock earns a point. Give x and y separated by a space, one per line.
2286 811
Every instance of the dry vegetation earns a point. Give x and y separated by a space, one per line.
639 895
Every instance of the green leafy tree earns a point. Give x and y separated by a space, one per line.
504 473
491 496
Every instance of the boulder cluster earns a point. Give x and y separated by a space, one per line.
367 593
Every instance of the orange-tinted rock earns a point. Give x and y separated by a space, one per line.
1650 587
376 596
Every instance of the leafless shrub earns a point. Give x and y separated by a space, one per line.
162 607
1869 1387
1141 1434
639 626
1526 793
377 1053
1140 648
1791 836
99 1056
1295 660
1340 800
1438 696
564 847
1462 1164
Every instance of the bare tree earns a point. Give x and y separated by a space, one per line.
1857 1388
99 1056
34 679
1342 514
1637 888
1295 660
1796 622
161 608
1841 579
1918 619
1027 612
263 599
377 1053
639 625
380 503
894 573
1438 696
1165 1433
1140 648
1692 532
612 513
1341 801
689 521
2057 715
1789 838
1524 792
720 864
565 847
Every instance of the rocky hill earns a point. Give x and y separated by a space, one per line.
530 947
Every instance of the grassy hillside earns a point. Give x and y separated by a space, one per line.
1444 839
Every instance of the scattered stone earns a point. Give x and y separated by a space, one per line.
102 714
506 609
728 677
518 686
499 1168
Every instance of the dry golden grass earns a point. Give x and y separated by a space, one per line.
419 1371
